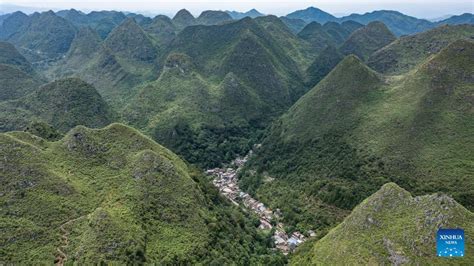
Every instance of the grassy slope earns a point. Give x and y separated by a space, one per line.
9 55
392 227
212 97
63 104
357 130
127 199
47 33
406 52
127 57
368 39
15 83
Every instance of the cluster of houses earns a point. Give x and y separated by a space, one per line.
226 180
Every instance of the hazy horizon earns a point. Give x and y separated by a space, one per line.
418 8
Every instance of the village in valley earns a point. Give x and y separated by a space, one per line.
226 180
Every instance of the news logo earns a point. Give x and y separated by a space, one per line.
450 243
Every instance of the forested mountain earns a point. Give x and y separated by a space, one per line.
312 14
367 40
253 13
398 23
391 227
211 86
406 52
357 129
297 120
63 104
114 195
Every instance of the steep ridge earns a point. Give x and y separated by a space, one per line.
366 40
9 55
101 21
340 32
129 41
322 65
216 53
124 59
312 14
46 33
13 24
17 77
356 130
211 17
295 25
15 83
392 227
183 18
114 195
300 51
316 36
162 29
398 23
63 104
406 52
466 18
253 13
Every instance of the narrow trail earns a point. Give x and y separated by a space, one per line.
62 256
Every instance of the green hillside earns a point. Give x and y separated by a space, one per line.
312 14
398 23
406 52
183 18
46 33
357 130
112 195
9 55
368 39
205 122
101 21
294 24
211 99
127 57
392 227
316 36
15 83
322 65
129 34
13 24
210 17
162 29
63 104
299 50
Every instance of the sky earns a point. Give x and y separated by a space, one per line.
417 8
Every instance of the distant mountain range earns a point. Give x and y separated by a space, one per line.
397 22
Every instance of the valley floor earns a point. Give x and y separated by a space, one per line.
226 180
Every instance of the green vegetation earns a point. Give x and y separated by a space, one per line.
357 130
15 83
366 40
398 23
116 196
211 17
9 55
407 52
211 99
47 33
392 227
13 24
295 25
209 89
312 14
63 104
322 65
183 18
